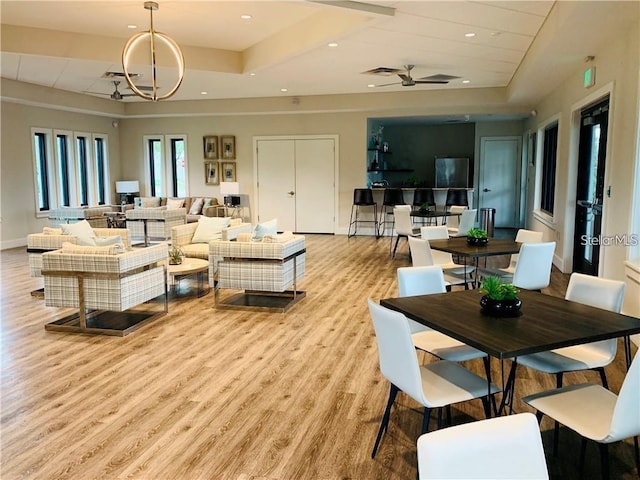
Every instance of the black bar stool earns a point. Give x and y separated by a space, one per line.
423 197
392 197
457 197
362 197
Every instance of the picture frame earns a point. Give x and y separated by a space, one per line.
210 147
228 147
211 173
228 171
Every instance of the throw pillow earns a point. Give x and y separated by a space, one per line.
207 203
265 228
196 206
173 203
81 230
146 202
103 241
209 228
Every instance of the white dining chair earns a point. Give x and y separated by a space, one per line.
497 448
453 220
427 281
445 259
403 226
467 221
596 413
523 236
533 270
423 256
435 385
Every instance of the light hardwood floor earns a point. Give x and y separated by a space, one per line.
211 394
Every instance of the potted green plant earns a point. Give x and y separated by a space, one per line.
500 298
477 236
175 255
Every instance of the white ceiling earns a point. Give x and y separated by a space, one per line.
284 44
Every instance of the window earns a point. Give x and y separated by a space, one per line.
82 156
178 167
166 169
67 171
42 169
549 154
64 169
101 169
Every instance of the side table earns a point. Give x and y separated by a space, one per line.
189 267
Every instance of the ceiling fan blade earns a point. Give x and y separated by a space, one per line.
388 84
96 93
404 77
441 82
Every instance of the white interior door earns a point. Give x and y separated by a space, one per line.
315 160
276 182
296 183
499 185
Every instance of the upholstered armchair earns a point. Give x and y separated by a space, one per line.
183 236
52 239
94 215
264 270
150 223
105 283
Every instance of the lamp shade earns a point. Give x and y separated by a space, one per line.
229 188
127 186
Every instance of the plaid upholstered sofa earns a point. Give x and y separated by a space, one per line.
94 215
52 239
100 281
194 206
264 270
182 236
156 222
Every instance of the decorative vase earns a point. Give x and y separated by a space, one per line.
477 241
501 308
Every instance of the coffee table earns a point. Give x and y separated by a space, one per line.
189 267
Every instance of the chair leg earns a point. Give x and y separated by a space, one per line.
425 420
556 425
395 247
635 443
351 222
604 460
583 450
603 377
439 418
393 391
486 406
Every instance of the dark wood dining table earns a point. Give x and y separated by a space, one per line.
459 246
545 323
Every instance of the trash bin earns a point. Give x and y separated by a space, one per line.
487 219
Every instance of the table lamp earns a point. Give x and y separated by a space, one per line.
230 191
127 190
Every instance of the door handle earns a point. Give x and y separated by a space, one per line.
585 203
291 193
486 189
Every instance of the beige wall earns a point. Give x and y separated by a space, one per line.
617 67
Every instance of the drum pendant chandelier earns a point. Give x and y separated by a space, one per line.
153 36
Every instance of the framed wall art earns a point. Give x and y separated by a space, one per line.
210 145
211 173
228 146
228 171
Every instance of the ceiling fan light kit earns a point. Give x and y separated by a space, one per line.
152 35
407 79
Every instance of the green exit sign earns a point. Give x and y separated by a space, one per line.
589 77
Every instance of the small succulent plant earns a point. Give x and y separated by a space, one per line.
496 289
477 233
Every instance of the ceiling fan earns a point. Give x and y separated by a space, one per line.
116 95
409 81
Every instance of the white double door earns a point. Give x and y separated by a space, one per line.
296 183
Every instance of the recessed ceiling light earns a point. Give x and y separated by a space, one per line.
283 89
332 44
245 17
371 85
132 26
466 81
470 34
253 74
204 93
